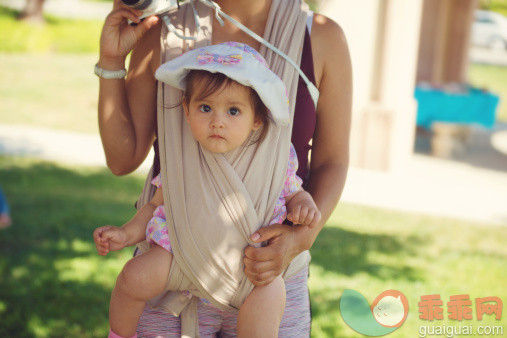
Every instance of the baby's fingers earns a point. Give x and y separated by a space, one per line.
315 219
293 216
303 215
102 248
97 234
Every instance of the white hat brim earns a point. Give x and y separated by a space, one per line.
248 71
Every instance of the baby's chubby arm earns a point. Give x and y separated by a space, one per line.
301 209
111 238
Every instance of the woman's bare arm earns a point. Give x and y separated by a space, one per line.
127 107
329 158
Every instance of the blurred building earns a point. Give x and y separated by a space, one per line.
394 44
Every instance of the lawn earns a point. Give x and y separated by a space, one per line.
56 35
494 79
53 284
47 74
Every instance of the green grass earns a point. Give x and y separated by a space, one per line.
371 250
53 284
50 90
493 78
56 35
499 6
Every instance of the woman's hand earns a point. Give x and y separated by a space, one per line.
263 264
118 38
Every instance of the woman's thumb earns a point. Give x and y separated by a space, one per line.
265 233
146 25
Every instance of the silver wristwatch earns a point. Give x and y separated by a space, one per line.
110 74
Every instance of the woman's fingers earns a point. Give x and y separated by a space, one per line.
145 25
118 16
267 233
260 273
118 38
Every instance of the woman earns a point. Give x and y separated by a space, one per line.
127 119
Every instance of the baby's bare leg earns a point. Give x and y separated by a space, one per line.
142 278
261 313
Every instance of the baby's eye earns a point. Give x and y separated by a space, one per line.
204 108
233 111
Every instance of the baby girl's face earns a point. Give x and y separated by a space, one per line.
222 121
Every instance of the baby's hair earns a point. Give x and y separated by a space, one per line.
212 82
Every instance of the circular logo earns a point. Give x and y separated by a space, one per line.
387 312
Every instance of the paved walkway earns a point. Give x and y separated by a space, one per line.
472 187
56 145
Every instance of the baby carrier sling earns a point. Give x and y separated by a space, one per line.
214 202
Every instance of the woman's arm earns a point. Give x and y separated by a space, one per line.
127 107
329 158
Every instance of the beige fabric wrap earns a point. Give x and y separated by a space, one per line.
214 202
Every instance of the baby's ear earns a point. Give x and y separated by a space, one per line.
257 123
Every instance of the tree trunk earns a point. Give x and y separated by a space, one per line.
33 11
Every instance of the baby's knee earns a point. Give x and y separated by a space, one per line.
131 279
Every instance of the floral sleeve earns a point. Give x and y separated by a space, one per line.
157 181
292 181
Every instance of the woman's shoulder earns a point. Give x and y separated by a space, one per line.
329 44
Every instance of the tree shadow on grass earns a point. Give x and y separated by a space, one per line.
50 282
348 253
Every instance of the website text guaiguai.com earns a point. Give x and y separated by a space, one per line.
460 330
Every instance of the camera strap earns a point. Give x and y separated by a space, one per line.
173 29
314 92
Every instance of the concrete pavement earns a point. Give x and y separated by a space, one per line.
56 145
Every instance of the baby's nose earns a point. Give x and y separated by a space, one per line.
217 122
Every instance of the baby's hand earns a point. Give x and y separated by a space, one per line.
301 209
109 238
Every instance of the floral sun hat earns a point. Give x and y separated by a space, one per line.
237 61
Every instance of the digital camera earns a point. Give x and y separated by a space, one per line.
151 7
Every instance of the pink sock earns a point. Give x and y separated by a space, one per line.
114 335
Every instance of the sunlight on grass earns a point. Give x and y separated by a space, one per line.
494 79
56 35
52 91
376 250
92 267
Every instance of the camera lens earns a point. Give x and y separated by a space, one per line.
137 4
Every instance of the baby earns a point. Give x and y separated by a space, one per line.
222 114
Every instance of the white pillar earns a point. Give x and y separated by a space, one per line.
383 37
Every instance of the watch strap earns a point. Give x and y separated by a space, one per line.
109 74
